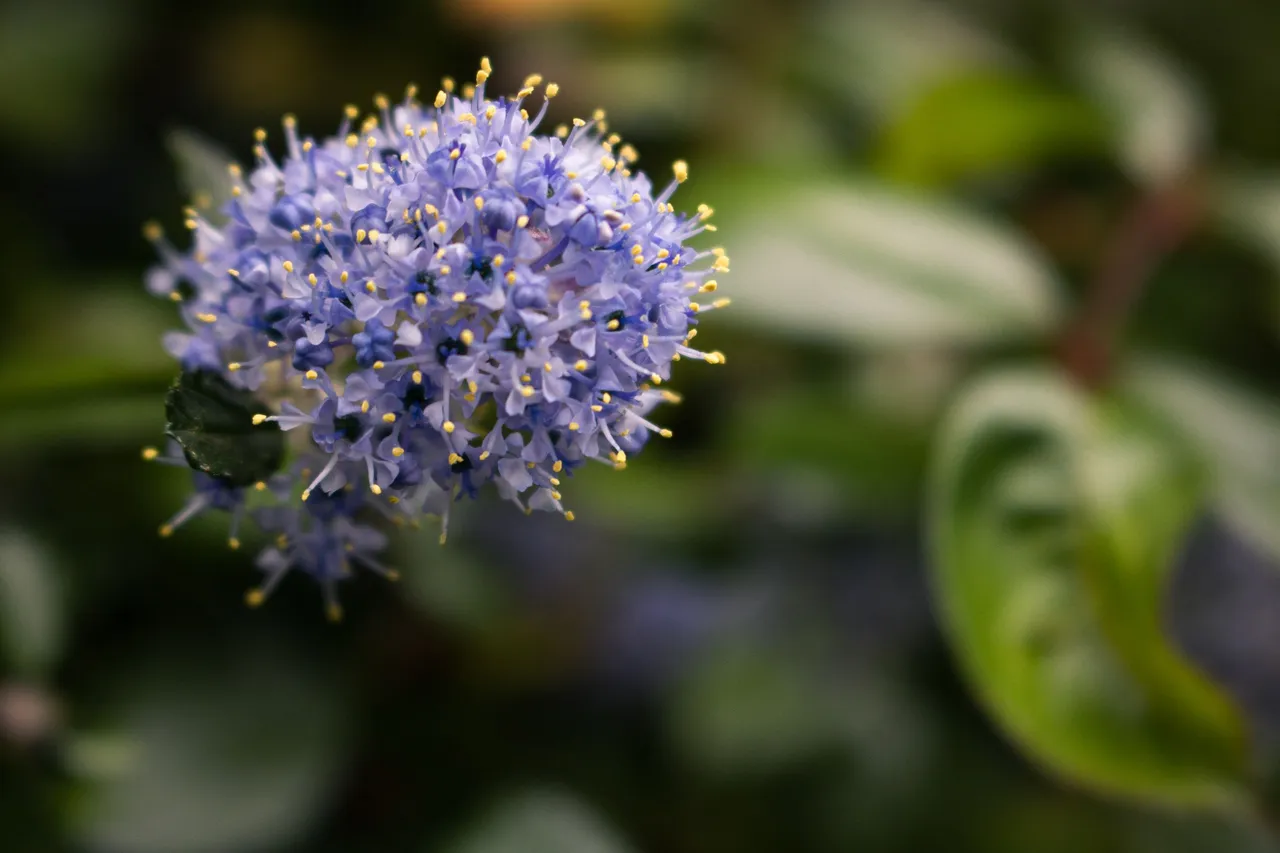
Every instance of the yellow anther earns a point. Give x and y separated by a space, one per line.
364 407
526 391
361 234
580 364
636 249
547 366
709 287
722 303
608 163
334 612
306 493
411 91
606 397
577 122
459 297
370 287
533 80
479 202
694 307
555 481
380 101
484 456
312 375
205 317
441 97
447 84
573 426
295 234
644 341
562 131
597 408
455 154
375 488
639 260
254 597
665 433
371 142
165 531
448 426
467 337
613 325
352 140
260 135
149 453
481 76
655 378
490 112
389 418
192 224
442 227
417 377
681 169
511 277
351 111
455 458
500 157
568 515
420 300
555 495
397 452
469 118
522 221
233 543
374 234
260 486
527 144
233 366
552 90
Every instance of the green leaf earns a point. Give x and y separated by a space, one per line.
1235 432
202 169
32 621
1246 204
985 123
863 265
1158 114
889 51
744 709
238 754
541 822
213 422
1053 525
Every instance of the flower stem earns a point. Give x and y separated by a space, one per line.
1160 221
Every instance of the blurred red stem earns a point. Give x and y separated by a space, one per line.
1159 222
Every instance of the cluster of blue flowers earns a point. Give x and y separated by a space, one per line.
434 299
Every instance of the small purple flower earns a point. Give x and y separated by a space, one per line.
444 299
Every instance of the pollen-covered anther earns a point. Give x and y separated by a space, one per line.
149 453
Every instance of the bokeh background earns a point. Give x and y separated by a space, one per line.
735 648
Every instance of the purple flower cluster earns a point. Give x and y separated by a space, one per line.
434 299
